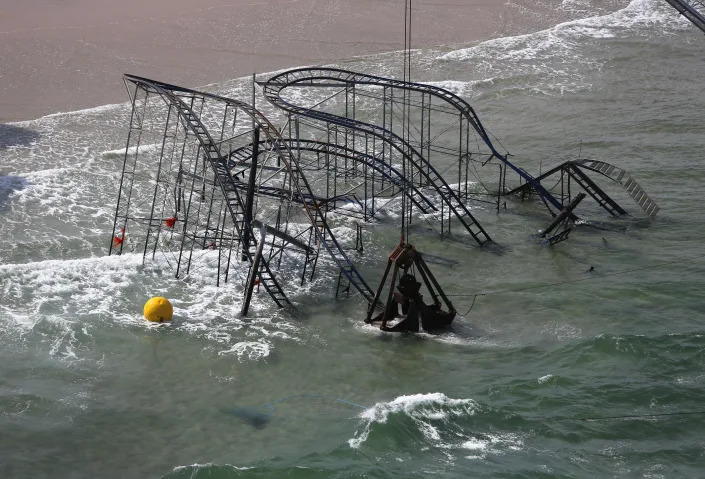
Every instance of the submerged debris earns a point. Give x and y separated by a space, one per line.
202 172
407 302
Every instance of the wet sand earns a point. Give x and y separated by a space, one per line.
71 54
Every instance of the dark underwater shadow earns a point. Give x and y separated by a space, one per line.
8 185
11 135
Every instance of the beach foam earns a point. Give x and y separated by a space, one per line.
524 61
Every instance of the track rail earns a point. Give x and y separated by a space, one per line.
242 156
327 76
622 177
614 173
312 76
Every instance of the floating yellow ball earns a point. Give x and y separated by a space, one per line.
158 310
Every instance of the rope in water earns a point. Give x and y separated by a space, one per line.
541 418
632 416
589 278
315 396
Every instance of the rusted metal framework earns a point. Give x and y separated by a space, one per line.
437 140
203 173
575 173
184 196
433 140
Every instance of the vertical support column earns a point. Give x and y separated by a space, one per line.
128 177
562 185
347 131
297 129
422 143
222 214
468 157
358 238
335 169
254 98
499 186
374 156
428 135
156 183
249 201
187 215
328 172
254 271
504 182
366 180
384 125
354 146
460 158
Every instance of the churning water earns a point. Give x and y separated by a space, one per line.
555 372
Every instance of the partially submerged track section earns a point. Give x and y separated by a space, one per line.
387 145
414 122
575 171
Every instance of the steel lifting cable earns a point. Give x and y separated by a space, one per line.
258 419
599 276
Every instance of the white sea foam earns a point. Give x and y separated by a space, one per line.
538 62
248 349
131 151
454 86
96 110
492 444
440 421
420 407
564 37
59 302
198 466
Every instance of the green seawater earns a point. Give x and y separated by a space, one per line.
556 371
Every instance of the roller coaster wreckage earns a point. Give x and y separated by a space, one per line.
209 182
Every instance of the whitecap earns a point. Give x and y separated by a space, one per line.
420 407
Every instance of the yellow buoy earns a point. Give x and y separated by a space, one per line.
158 310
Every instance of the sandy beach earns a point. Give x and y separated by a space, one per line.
62 56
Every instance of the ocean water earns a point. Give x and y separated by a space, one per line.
551 371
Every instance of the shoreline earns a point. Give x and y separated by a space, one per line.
61 57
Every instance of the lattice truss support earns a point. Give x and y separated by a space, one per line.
573 176
183 196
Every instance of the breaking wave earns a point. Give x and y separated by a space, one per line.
430 421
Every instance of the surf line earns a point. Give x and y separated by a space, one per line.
592 268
